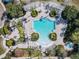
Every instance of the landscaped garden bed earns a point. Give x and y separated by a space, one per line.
26 52
21 31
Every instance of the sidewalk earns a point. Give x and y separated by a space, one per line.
38 58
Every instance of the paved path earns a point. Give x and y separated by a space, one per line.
39 58
2 9
59 31
2 5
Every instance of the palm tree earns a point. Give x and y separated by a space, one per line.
34 36
52 13
53 36
34 13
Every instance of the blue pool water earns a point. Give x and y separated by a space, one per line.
69 44
44 27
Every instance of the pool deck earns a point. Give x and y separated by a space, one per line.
58 31
41 7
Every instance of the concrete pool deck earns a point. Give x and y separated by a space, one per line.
41 7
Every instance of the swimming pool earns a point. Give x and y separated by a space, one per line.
44 27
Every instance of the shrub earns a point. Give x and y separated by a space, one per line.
36 53
10 42
5 29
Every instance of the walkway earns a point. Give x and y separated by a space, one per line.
2 10
59 32
38 58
